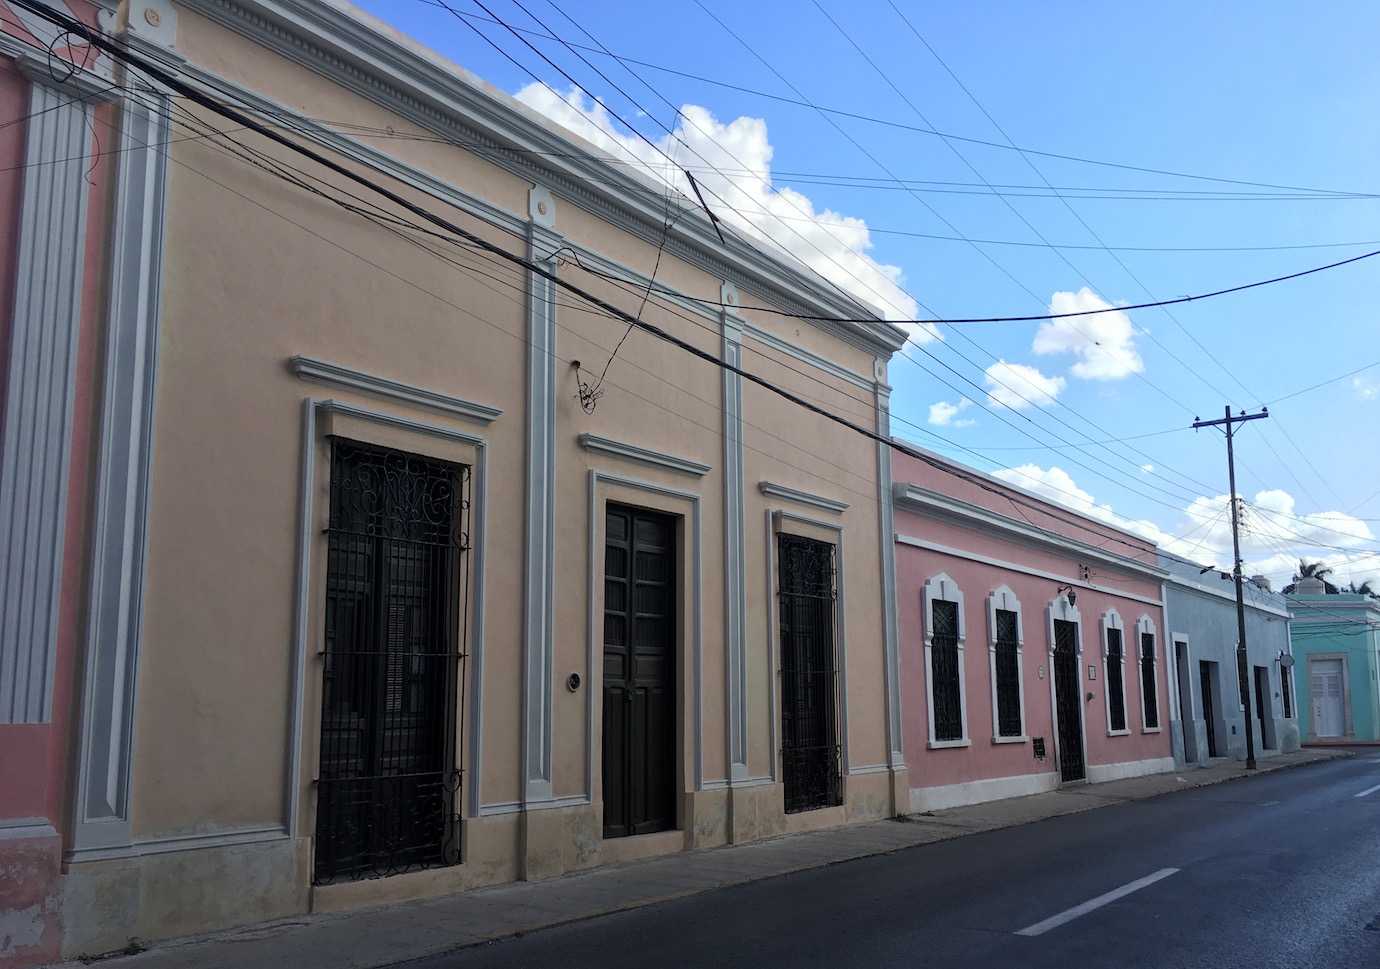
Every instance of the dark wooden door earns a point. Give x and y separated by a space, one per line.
639 672
1209 714
1068 702
1262 695
1181 671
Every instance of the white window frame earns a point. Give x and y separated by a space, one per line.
1146 625
1003 598
943 587
1111 619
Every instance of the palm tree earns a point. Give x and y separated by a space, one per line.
1364 589
1313 570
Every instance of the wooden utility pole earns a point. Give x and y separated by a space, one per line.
1242 663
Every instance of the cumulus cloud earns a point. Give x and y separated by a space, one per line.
1105 344
741 193
1018 386
1365 388
942 413
1273 535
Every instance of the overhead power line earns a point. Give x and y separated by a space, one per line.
905 126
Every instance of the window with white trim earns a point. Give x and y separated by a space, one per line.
1286 689
1149 680
1114 671
944 635
1008 694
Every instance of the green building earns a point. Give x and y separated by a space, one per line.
1336 645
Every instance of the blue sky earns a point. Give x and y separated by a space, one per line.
1269 93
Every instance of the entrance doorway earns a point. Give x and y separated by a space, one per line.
809 674
1264 711
1209 705
1068 702
639 672
1185 702
1325 682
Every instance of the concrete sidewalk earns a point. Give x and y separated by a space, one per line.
384 936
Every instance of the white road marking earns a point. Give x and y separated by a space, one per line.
1369 790
1092 904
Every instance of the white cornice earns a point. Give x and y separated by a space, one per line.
659 459
920 499
336 375
348 47
959 553
772 490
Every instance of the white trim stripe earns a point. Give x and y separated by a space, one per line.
1093 904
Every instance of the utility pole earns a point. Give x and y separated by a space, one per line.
1242 663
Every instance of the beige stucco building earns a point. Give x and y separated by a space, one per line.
402 617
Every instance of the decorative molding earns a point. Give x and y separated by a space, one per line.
594 640
657 459
1186 583
943 588
228 838
778 521
40 390
122 481
959 553
803 497
921 499
546 804
895 732
334 374
538 618
303 606
414 83
25 829
805 356
735 592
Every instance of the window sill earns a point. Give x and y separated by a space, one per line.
1022 739
1118 733
944 744
1151 729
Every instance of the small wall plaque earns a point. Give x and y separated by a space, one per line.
1092 673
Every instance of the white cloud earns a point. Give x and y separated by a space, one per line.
1365 388
1104 343
742 194
1018 386
942 413
1273 536
1148 468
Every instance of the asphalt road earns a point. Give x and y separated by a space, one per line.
1281 870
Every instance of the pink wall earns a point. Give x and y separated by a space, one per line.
35 759
984 759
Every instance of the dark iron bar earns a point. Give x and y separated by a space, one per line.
1007 662
396 606
1116 691
948 702
1147 680
808 592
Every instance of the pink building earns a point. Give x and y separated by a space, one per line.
1031 650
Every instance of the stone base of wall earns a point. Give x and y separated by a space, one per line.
976 792
1100 773
30 894
154 893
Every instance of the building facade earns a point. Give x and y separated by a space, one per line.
1031 641
1336 645
375 589
1209 714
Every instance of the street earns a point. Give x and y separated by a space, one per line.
1279 870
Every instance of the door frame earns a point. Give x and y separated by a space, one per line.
1060 608
1189 724
1212 701
685 506
792 523
1348 728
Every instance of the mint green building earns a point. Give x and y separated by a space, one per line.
1336 646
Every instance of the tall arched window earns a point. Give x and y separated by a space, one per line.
1114 672
944 677
1149 678
1006 641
